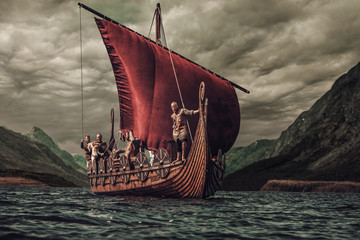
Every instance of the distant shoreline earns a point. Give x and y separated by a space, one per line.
311 186
20 182
18 178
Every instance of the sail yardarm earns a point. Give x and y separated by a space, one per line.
172 52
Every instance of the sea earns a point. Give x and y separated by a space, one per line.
77 213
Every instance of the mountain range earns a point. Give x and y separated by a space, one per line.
323 144
35 155
74 161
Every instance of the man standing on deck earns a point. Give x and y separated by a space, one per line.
87 150
99 148
180 131
101 144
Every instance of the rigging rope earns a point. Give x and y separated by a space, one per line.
163 34
172 64
177 82
152 22
81 77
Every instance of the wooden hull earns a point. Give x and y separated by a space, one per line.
197 177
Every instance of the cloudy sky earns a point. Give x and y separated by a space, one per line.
287 53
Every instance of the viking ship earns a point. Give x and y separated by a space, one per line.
149 76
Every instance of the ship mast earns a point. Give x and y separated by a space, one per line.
158 23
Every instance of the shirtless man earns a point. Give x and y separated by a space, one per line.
180 131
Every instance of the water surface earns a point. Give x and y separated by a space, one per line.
76 213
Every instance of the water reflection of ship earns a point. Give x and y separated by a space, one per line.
149 76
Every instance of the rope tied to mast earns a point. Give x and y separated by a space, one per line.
152 22
176 78
179 90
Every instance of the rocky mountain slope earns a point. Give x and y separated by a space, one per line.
240 157
27 157
80 160
36 134
322 144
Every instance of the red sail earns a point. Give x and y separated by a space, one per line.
146 87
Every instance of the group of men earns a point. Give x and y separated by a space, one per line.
99 146
98 149
180 135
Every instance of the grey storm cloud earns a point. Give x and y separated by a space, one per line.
287 53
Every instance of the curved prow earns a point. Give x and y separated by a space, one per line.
203 103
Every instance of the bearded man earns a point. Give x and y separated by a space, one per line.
180 130
101 144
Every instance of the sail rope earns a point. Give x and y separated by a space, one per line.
177 83
152 22
163 34
81 77
172 64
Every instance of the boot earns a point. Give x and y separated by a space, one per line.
183 145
